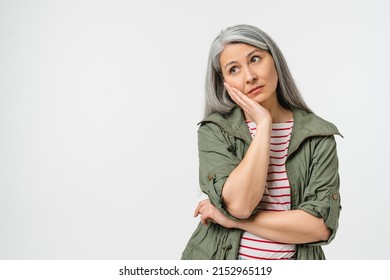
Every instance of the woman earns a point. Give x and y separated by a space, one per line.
267 164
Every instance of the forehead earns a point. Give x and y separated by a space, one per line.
238 51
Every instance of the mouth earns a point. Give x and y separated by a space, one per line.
255 90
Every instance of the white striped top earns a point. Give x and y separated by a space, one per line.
276 197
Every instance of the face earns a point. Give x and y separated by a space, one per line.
250 70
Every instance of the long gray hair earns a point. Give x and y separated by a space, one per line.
218 100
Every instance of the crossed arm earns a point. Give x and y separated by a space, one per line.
294 226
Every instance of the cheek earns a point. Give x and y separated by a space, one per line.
276 79
273 76
234 82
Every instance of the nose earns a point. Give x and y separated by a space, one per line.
250 76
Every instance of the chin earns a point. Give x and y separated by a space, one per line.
259 99
265 98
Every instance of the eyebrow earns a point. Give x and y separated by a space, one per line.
248 55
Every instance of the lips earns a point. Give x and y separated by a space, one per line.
256 89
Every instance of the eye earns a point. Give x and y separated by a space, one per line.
233 70
255 59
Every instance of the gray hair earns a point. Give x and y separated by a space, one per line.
218 100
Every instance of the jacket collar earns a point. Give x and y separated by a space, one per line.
232 123
305 125
309 125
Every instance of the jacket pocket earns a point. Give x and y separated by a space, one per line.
225 251
211 242
202 244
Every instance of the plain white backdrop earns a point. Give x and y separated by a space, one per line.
99 102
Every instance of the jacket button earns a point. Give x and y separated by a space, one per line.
227 246
211 177
335 196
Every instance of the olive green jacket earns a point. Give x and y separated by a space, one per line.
312 170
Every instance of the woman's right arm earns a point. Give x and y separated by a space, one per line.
235 186
244 188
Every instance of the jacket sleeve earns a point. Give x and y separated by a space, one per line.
217 160
322 197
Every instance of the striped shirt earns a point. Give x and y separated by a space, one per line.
276 197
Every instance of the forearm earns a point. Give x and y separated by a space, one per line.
294 227
244 188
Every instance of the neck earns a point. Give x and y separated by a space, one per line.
280 114
277 112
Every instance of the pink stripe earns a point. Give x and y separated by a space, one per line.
287 128
280 136
277 172
276 203
271 210
258 258
278 151
275 196
275 180
262 240
274 164
281 143
267 250
280 195
279 188
279 157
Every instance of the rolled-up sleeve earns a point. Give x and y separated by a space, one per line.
217 160
322 197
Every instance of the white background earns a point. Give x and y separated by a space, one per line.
99 102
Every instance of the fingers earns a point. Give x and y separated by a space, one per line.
240 98
204 209
196 213
200 206
203 212
234 94
253 110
